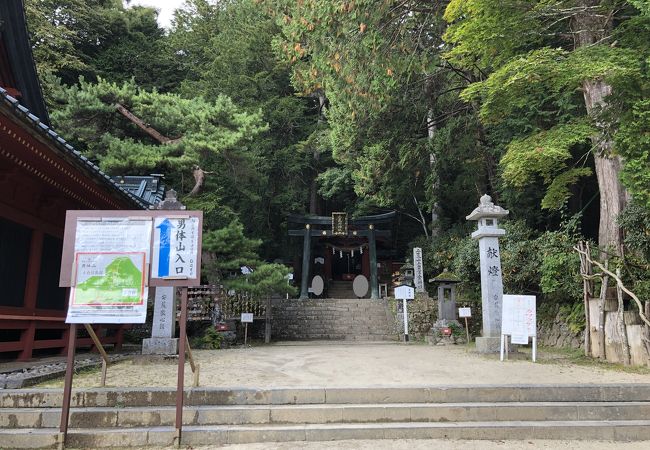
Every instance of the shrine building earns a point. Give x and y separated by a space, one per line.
41 177
341 256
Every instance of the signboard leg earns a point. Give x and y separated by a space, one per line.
181 366
67 388
502 337
534 348
406 321
467 330
246 334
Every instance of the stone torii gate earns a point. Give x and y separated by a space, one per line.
338 226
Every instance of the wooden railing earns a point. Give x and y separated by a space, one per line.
207 300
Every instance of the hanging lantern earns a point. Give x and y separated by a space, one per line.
361 250
341 253
352 253
333 251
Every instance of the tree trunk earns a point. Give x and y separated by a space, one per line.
613 196
433 164
590 26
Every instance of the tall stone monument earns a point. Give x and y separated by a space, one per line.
488 232
162 340
418 270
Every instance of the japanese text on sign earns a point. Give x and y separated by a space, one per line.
175 249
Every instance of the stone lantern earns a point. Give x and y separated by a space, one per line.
407 274
487 214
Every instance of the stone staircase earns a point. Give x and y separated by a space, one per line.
134 417
333 319
340 289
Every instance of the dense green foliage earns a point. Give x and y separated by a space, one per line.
293 106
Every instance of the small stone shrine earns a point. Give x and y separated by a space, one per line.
446 307
488 232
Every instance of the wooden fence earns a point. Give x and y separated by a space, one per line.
614 342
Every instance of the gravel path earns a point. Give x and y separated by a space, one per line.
348 365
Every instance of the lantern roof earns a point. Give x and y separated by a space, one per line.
486 208
445 277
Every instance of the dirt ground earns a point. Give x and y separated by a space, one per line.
351 365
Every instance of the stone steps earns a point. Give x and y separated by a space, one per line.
622 430
216 416
439 394
103 417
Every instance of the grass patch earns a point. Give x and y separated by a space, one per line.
554 355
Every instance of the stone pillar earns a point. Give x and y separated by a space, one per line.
162 341
418 270
372 253
488 232
306 260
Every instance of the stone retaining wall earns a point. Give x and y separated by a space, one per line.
422 315
556 333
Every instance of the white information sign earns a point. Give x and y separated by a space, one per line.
464 312
175 248
113 235
109 278
519 315
247 317
404 293
519 321
418 270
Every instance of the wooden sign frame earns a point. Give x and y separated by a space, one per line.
66 280
71 218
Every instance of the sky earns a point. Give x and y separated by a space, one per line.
166 8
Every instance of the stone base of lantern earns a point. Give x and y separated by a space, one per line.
492 345
160 346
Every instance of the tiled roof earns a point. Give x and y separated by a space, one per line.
20 62
149 188
74 155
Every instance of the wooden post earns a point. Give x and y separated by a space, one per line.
102 352
181 367
245 333
467 330
31 293
620 322
601 315
267 325
195 367
67 386
586 272
406 320
306 260
372 250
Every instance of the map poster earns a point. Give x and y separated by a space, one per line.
109 288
